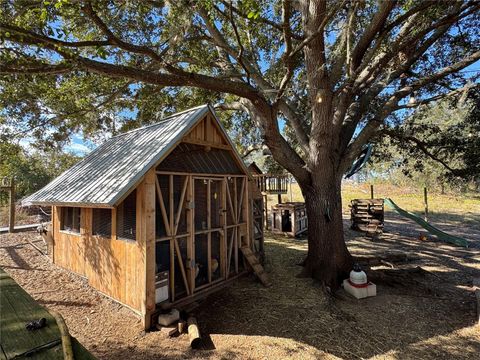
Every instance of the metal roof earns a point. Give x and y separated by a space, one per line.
105 175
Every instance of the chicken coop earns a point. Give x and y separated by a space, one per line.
157 217
289 218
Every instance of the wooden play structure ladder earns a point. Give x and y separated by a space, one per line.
257 268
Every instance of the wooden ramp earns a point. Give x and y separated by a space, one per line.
16 309
256 266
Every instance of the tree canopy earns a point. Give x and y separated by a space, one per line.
103 66
318 78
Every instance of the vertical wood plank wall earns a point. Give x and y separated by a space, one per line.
122 269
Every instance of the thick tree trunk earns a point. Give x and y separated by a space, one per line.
328 258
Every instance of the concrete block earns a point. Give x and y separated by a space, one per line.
169 318
360 292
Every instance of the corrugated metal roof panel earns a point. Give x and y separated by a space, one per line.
106 174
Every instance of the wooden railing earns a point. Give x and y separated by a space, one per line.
272 184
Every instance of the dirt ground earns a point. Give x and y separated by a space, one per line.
433 319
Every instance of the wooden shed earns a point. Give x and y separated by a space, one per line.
156 217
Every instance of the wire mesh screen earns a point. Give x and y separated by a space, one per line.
164 183
241 198
180 288
195 159
127 217
201 210
201 258
178 182
102 222
70 219
230 214
216 255
216 187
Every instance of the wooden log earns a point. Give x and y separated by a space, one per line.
65 335
194 333
182 325
167 331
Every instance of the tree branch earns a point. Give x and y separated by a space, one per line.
422 146
320 29
376 25
36 69
45 39
262 19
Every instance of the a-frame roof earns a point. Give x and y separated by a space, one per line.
110 171
253 167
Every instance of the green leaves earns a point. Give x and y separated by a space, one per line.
101 52
253 15
252 8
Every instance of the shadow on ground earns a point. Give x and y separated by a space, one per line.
433 319
293 318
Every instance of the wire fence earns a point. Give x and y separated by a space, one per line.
25 215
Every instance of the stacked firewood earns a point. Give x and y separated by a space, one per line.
367 215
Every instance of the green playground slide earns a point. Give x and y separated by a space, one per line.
456 240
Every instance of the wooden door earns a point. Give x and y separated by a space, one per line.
209 224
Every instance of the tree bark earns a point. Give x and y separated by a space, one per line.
328 259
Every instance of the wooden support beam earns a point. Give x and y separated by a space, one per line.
172 242
247 214
236 231
148 245
209 234
230 248
265 201
230 203
206 143
240 202
223 236
198 175
191 237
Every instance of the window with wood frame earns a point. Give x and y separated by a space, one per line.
102 222
70 219
127 217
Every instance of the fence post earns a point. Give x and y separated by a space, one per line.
11 212
371 191
265 202
290 183
425 201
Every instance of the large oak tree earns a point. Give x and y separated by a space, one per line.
328 72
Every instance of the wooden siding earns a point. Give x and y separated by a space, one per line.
113 266
207 132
